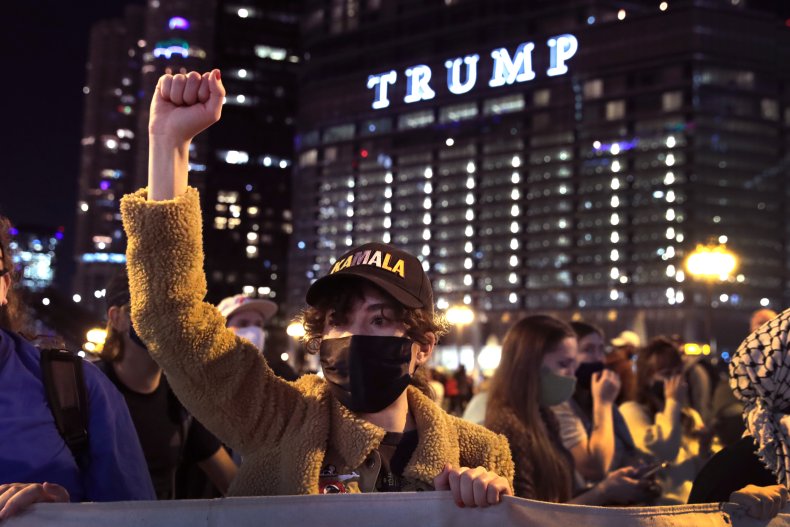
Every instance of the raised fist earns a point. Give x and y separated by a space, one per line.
185 105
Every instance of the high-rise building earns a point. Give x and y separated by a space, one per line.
109 139
247 195
241 166
35 248
547 156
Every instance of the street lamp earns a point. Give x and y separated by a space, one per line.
459 316
711 263
296 330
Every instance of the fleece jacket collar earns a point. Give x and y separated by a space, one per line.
354 438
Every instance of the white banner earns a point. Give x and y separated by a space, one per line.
374 510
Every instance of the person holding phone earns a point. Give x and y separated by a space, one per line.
591 426
536 373
661 423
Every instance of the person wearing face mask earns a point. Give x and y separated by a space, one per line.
591 426
662 424
172 440
536 372
246 317
366 425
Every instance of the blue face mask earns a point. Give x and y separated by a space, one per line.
555 388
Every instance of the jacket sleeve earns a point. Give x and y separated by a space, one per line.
482 447
116 469
660 437
223 380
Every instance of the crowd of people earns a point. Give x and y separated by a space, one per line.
183 402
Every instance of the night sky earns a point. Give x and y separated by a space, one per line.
44 47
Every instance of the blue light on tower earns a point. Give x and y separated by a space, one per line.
172 47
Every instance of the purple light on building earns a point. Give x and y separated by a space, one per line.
104 185
178 22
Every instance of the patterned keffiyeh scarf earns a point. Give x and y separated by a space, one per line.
760 378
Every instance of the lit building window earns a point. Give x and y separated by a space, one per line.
415 120
671 101
541 97
270 52
510 103
234 157
593 89
227 196
458 112
615 110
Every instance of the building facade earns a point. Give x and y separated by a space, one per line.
546 156
35 248
109 141
241 166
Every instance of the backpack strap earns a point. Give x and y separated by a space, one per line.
67 397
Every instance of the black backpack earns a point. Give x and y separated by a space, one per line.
67 396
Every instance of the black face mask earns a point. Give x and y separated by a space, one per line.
136 338
366 373
585 371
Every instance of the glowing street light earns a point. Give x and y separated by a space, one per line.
460 316
96 335
296 330
710 263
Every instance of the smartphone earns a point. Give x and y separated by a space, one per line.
651 470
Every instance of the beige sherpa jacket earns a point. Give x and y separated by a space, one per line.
284 430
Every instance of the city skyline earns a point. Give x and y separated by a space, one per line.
419 83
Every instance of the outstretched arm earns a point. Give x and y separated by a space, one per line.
222 379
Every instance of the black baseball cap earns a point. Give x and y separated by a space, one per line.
397 272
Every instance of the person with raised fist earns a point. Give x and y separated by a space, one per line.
366 426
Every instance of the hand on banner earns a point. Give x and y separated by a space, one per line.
762 503
16 497
472 487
